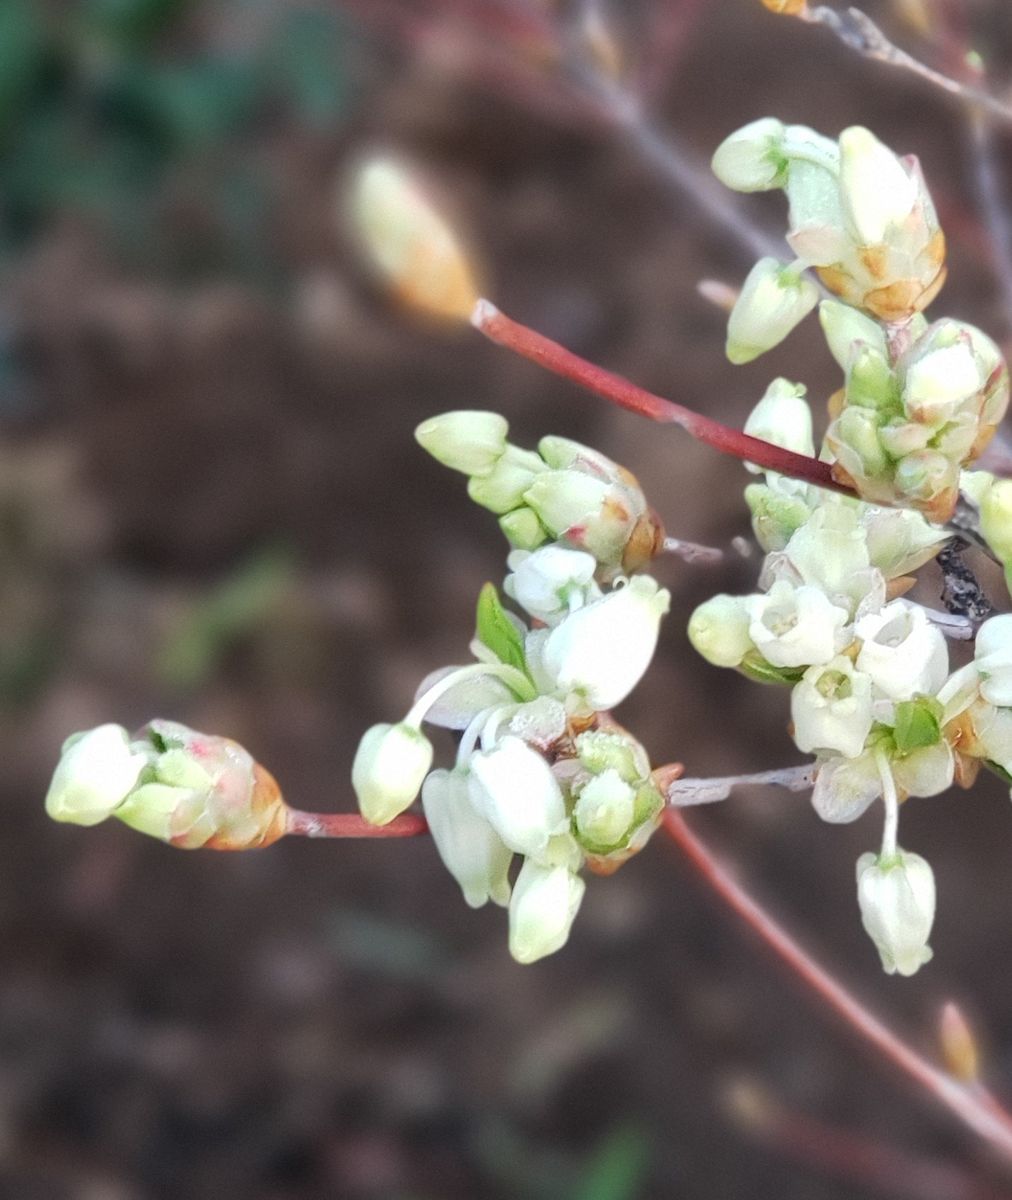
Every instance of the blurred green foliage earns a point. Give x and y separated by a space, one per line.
118 109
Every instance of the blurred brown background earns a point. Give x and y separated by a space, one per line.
212 508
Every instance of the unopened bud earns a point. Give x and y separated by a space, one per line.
959 1047
389 767
774 298
469 441
410 242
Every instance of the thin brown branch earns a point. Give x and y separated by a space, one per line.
972 1105
351 825
858 31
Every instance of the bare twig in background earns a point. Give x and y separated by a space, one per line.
864 1160
858 31
685 792
972 1104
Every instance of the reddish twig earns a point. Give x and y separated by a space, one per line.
973 1105
351 825
504 331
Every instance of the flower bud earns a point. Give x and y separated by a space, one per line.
471 442
719 630
389 767
877 191
789 8
897 900
845 327
929 480
96 771
600 652
750 159
993 660
502 489
513 787
542 909
471 850
202 791
783 417
410 243
523 529
604 812
604 750
832 709
773 299
552 581
996 518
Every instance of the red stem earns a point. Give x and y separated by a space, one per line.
974 1106
352 825
504 331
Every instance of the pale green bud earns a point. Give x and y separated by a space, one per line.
718 629
854 439
523 528
502 489
843 325
877 191
604 811
776 513
750 159
783 417
996 517
931 480
389 767
870 380
601 751
938 383
96 771
471 442
900 438
773 299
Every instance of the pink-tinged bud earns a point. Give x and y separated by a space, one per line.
202 790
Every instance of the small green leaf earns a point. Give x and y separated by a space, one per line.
917 724
756 667
497 631
617 1169
998 770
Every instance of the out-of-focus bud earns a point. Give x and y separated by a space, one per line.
410 242
959 1046
774 298
783 417
542 909
897 900
389 767
751 159
789 8
96 771
996 521
719 630
470 848
832 709
513 787
599 653
203 791
471 442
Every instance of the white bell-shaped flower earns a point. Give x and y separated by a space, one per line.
513 787
902 651
542 909
96 772
795 626
993 660
470 848
600 652
389 766
831 708
552 581
897 900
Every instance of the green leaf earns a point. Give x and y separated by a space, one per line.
756 667
618 1166
496 630
917 724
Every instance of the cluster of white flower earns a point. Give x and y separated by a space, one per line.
540 771
920 401
871 695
